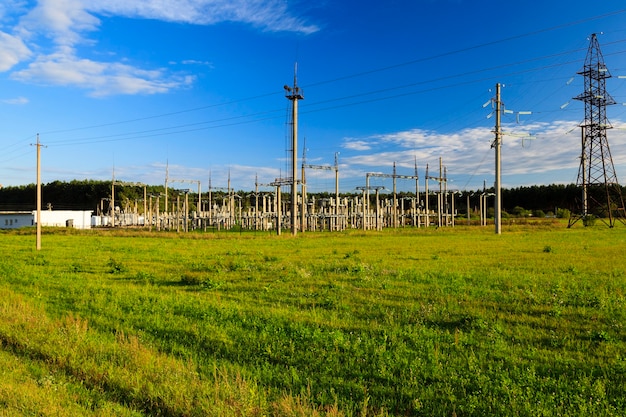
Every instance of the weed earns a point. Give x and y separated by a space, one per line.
115 267
193 278
145 277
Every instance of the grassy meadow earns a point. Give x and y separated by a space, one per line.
409 322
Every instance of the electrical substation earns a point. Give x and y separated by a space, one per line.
270 207
266 208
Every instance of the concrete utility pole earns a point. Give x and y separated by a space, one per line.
417 195
497 145
38 215
303 210
294 94
167 178
113 199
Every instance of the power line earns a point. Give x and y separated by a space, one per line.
186 128
432 57
386 68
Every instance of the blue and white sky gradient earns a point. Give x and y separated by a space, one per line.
134 86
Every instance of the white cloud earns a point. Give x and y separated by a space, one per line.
16 101
100 78
553 148
67 23
12 51
64 21
269 15
357 145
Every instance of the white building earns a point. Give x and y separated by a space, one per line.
78 219
16 219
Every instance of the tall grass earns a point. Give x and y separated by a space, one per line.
406 322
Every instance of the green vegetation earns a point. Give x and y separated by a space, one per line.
401 322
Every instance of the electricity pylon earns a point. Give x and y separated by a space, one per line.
601 193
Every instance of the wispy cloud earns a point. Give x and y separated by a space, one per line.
46 36
269 15
16 101
357 145
196 62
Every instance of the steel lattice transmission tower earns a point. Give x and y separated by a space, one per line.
601 193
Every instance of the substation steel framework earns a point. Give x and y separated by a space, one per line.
337 226
601 193
394 176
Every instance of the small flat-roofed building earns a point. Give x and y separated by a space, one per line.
16 219
78 219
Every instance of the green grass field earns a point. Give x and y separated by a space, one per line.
410 322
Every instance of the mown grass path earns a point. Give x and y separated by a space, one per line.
406 322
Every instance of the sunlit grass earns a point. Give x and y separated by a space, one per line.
405 322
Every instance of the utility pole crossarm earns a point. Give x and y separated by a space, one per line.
402 177
325 167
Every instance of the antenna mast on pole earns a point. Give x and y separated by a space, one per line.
601 193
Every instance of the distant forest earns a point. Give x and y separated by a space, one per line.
91 195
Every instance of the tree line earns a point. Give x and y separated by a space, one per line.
92 195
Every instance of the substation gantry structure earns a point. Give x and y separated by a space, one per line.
601 193
442 179
304 213
395 176
186 203
378 223
115 182
278 183
214 218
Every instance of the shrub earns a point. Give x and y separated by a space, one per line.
563 213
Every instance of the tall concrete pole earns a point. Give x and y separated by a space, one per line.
145 206
113 199
367 187
303 211
256 202
38 243
337 193
440 197
498 145
417 195
167 178
427 224
294 94
395 198
279 213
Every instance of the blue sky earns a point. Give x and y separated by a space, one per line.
197 85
